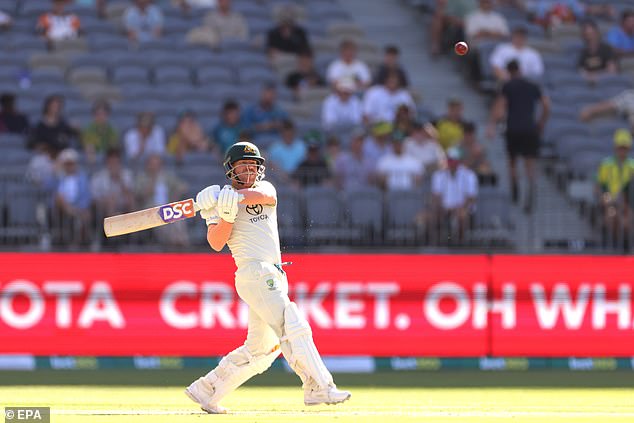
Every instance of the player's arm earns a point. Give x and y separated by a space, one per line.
264 195
218 234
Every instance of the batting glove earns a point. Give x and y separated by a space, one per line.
208 197
228 204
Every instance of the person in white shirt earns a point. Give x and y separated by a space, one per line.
454 192
144 139
341 111
422 144
243 216
381 101
531 64
398 171
485 24
348 66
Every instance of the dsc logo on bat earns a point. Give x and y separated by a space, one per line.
177 211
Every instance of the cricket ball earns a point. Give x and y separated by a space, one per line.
461 48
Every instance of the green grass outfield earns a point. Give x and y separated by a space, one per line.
387 398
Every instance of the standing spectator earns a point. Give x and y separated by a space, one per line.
447 25
53 130
621 38
391 64
113 187
381 101
397 171
289 152
347 66
227 131
352 169
518 99
305 74
485 24
5 20
287 37
614 180
264 118
314 169
143 21
341 111
58 25
423 146
454 191
474 155
450 127
596 57
530 61
188 136
378 144
145 139
100 135
622 103
11 120
219 25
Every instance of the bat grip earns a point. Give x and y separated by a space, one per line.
197 207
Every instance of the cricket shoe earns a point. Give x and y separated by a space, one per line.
201 392
331 395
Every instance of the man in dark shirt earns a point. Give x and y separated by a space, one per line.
518 99
391 64
287 36
10 119
596 57
53 130
305 75
314 169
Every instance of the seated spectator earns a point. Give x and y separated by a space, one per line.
333 151
314 169
53 130
447 26
391 64
100 135
264 118
58 25
287 37
305 74
614 180
98 5
289 152
621 38
72 199
231 125
352 169
157 186
187 137
485 24
531 64
378 143
41 170
143 21
11 120
454 191
550 13
220 25
474 155
596 57
450 127
341 111
347 66
381 101
5 20
113 187
403 121
423 146
623 104
145 139
397 171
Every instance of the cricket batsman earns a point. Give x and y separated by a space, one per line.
243 215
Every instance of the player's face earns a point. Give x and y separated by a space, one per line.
245 171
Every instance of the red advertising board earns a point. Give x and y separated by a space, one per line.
374 305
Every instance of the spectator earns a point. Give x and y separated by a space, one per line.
58 25
454 191
447 25
100 135
53 130
381 101
352 169
378 144
341 111
485 24
143 21
530 61
72 199
518 99
289 152
41 168
391 64
11 120
397 171
622 104
474 156
287 37
549 13
347 66
113 187
614 179
99 5
156 186
314 169
188 136
219 25
228 130
333 151
596 57
403 121
145 139
621 38
450 127
423 146
264 119
5 20
305 75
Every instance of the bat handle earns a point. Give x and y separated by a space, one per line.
197 207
